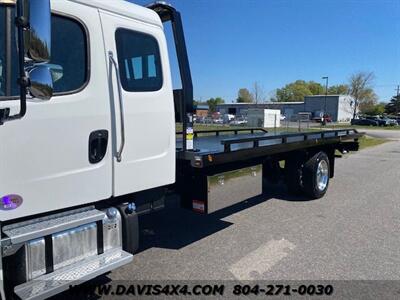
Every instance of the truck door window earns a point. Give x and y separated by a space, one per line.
139 58
69 56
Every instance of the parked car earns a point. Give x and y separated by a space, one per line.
381 121
322 118
228 117
218 121
364 122
207 120
328 118
283 118
199 119
239 121
392 122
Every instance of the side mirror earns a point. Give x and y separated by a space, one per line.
37 39
41 82
34 41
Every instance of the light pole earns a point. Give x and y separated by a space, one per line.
326 95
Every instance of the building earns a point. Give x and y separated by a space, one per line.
201 110
339 107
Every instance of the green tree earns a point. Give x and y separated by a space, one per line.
339 89
377 109
213 102
315 88
244 96
393 107
361 88
296 91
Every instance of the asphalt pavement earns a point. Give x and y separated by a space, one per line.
350 234
382 133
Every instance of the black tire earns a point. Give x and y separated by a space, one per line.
293 175
272 172
309 178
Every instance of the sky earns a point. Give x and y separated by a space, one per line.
234 43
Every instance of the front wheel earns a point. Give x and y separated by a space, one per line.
316 175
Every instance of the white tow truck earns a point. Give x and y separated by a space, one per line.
88 141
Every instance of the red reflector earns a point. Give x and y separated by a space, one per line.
198 206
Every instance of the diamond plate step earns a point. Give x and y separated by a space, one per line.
53 283
29 230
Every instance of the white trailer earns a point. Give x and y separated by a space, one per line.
268 118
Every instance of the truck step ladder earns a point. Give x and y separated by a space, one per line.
29 230
60 280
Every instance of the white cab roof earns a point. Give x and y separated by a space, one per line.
126 9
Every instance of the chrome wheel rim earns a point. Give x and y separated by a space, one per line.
322 175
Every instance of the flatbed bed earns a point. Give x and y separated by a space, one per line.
214 147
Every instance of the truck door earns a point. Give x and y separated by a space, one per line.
59 155
142 100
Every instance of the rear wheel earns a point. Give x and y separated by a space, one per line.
315 175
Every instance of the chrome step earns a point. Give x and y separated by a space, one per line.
32 229
51 284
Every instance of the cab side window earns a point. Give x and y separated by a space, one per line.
69 56
139 61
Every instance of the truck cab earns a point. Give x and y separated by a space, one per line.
111 117
107 131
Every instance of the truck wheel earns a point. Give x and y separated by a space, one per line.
294 175
316 175
272 171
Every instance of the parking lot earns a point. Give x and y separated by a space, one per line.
350 234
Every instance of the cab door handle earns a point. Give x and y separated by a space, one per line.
98 141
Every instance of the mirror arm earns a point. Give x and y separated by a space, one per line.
23 80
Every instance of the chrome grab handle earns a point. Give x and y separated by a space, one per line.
121 106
